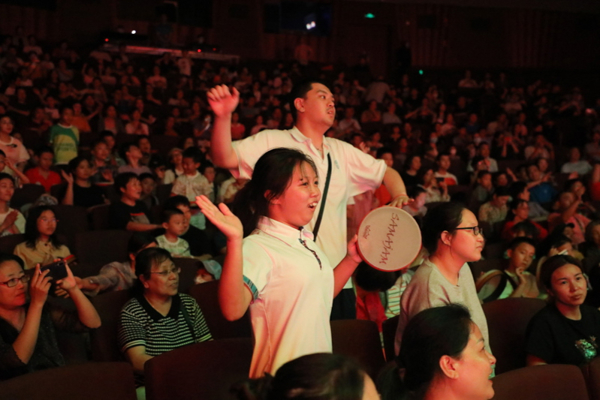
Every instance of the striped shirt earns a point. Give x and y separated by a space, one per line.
142 325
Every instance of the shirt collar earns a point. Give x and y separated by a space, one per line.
283 232
299 136
155 315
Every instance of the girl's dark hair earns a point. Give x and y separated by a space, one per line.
319 376
516 189
429 335
552 264
147 258
4 175
31 230
513 206
271 177
445 217
589 230
371 279
74 163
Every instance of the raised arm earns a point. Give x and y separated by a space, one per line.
85 310
234 295
395 185
223 103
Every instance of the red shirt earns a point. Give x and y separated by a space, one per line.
35 177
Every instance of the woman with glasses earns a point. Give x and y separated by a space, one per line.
159 318
452 237
27 323
41 245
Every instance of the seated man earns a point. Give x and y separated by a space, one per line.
129 213
541 191
159 318
515 280
117 275
443 162
496 209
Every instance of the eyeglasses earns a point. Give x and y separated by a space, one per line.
168 272
476 230
15 281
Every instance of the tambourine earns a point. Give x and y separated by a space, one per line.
389 239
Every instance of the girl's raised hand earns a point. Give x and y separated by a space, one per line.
221 217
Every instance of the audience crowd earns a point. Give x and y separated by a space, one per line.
517 165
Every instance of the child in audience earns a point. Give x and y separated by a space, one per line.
416 208
12 222
519 213
175 160
64 138
41 245
174 223
80 191
192 184
15 153
102 170
6 166
515 280
132 156
496 209
42 174
129 213
148 182
484 189
566 208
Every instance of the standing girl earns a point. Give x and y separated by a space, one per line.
277 270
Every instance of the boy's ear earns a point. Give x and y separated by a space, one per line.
165 225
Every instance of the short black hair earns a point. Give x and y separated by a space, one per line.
176 202
193 153
167 213
125 147
123 179
299 92
516 242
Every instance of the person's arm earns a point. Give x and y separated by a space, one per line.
571 210
9 222
395 185
85 310
137 357
234 296
223 103
18 171
141 227
522 285
39 286
346 267
68 198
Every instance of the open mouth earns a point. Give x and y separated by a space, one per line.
312 205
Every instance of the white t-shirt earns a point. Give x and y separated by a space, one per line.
292 293
353 172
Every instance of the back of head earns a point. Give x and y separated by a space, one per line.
444 217
138 241
176 202
320 376
272 174
430 335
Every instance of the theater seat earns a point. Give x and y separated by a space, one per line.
104 339
200 371
388 329
359 339
90 381
28 193
507 322
8 243
547 382
99 248
591 372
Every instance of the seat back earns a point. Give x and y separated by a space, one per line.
388 330
8 243
99 248
99 217
548 382
200 371
591 373
359 339
90 381
206 295
72 221
189 270
28 193
163 192
104 339
507 340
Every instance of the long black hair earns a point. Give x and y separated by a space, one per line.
444 217
31 230
319 376
271 177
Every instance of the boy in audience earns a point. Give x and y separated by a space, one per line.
103 171
192 184
496 209
484 188
132 156
64 137
199 240
443 162
117 275
148 197
42 174
8 168
129 213
174 223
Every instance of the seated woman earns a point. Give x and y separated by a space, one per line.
27 323
80 191
322 376
565 331
519 190
519 212
444 357
515 280
159 318
41 246
12 222
437 190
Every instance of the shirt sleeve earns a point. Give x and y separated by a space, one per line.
118 216
249 151
178 187
364 172
257 267
131 331
23 154
538 340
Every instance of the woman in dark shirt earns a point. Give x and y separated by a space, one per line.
80 191
27 337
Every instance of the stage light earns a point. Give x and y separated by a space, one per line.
420 72
106 39
311 25
369 15
133 32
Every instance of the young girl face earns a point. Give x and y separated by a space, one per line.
7 189
147 186
46 223
6 125
297 204
46 160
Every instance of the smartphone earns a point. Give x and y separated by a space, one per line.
58 270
